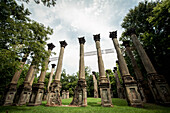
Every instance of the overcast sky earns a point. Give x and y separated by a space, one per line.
71 19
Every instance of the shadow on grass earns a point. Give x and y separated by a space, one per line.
14 108
119 102
93 104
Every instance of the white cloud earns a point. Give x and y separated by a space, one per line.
73 18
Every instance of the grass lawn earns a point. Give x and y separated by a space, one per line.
120 106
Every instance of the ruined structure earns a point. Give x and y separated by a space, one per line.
11 91
111 92
80 93
38 89
103 81
132 94
95 85
54 94
67 94
156 82
51 77
119 87
25 90
63 94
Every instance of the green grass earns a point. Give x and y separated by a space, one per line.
120 106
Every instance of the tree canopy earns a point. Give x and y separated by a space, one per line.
19 35
150 20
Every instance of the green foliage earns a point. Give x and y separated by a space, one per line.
19 36
151 22
68 82
47 3
23 74
112 82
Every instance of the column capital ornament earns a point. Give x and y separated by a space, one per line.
107 71
82 40
115 68
53 65
113 34
126 43
93 72
130 31
63 43
50 46
96 37
117 61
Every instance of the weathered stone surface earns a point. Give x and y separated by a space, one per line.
53 96
137 71
37 95
119 87
156 82
95 85
11 91
111 92
132 94
67 94
80 94
63 94
103 81
38 89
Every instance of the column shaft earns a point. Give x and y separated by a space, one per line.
59 65
100 60
144 57
50 79
43 71
133 96
81 63
122 63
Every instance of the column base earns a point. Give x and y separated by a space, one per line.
96 94
24 95
132 95
37 95
10 94
160 89
106 100
80 94
144 90
53 97
120 92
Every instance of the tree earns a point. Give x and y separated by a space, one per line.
150 20
19 35
47 3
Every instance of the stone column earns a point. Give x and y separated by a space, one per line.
63 94
54 95
156 82
132 94
49 82
25 90
80 93
67 94
119 87
38 89
140 80
123 84
111 92
51 76
32 77
11 92
95 85
106 100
